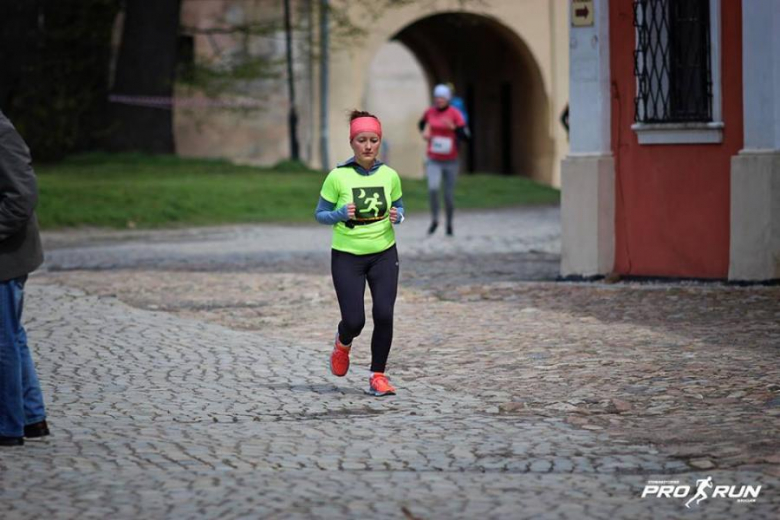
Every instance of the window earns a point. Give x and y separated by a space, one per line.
677 72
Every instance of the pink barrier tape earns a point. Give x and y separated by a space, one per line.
179 102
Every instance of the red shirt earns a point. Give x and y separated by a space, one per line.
443 144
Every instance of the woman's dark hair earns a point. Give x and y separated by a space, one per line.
360 113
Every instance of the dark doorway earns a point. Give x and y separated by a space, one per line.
506 128
500 83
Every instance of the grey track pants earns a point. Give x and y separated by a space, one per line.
435 171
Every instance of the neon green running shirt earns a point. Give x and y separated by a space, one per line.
373 196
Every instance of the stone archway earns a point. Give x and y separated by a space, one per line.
497 76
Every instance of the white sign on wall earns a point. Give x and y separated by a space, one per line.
581 13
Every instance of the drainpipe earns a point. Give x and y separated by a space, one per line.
324 8
293 115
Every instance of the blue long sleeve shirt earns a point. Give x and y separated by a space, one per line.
326 212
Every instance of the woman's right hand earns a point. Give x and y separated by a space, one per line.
426 133
350 211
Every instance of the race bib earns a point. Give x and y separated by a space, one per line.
441 145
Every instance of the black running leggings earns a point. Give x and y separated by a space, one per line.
350 273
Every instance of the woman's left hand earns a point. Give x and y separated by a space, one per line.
393 215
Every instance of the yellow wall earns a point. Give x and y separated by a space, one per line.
539 26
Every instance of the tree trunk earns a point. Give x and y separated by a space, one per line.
146 66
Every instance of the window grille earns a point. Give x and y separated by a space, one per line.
672 61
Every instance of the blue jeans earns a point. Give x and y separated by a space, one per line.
21 400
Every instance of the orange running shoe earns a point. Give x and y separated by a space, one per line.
339 358
379 385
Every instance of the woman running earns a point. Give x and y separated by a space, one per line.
361 199
442 125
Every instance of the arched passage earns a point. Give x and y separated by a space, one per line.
496 75
397 90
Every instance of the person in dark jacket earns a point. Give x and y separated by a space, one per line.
22 412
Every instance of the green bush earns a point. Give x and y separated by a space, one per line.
55 61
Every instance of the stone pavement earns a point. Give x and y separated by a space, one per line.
186 378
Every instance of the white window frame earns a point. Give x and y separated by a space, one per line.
693 132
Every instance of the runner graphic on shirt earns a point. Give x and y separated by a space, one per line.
370 203
373 204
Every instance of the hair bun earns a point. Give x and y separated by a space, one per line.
360 113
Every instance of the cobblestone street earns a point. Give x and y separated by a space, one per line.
186 377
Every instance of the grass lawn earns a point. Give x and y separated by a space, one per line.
129 190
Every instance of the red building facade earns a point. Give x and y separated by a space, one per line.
668 186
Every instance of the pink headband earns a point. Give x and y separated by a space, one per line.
364 124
